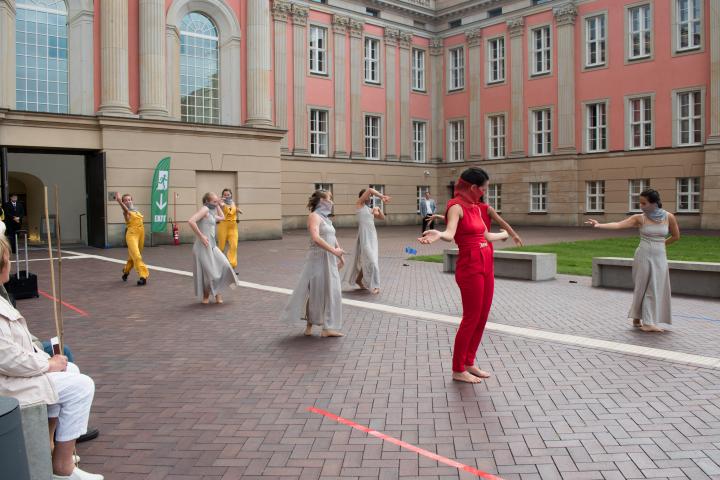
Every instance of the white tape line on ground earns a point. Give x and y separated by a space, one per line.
656 353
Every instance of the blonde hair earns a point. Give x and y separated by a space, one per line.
207 196
4 247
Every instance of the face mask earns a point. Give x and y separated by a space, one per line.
464 191
324 208
130 206
654 213
227 200
210 206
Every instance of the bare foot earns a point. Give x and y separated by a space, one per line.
360 285
205 300
651 328
218 299
331 333
465 377
308 330
473 370
637 323
376 291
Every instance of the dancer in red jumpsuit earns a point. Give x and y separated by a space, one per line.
474 271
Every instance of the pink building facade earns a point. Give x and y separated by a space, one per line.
572 106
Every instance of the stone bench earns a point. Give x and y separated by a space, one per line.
517 265
700 279
37 441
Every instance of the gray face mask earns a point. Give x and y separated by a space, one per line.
324 208
211 206
227 200
131 206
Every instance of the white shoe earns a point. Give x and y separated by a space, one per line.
76 460
78 474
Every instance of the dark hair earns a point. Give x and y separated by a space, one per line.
652 196
475 175
225 190
315 198
361 192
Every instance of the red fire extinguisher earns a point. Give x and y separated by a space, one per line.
175 229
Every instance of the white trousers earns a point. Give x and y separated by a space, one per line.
76 393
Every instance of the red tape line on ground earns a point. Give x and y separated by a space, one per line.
405 445
68 305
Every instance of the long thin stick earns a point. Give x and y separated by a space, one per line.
58 239
52 268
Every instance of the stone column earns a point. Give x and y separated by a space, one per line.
281 11
714 45
7 54
356 75
172 72
81 62
516 30
299 19
152 59
565 20
474 40
340 25
115 88
436 99
405 120
259 106
391 42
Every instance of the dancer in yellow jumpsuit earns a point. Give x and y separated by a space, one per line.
134 237
227 230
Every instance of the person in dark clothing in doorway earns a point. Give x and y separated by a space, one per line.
14 213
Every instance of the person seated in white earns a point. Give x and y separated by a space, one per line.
31 376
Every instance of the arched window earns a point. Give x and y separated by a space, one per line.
199 70
41 56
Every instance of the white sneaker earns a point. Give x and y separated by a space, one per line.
76 460
78 474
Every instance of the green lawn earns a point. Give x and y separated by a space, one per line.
575 258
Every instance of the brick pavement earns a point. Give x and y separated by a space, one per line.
220 392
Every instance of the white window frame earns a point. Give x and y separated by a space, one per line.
497 136
421 189
317 136
496 55
644 32
494 197
599 22
318 50
545 132
679 120
542 54
372 141
642 124
418 70
419 141
456 140
371 49
595 193
693 24
456 69
538 191
688 187
377 201
324 186
598 142
635 187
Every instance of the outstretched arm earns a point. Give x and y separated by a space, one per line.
505 226
630 222
453 217
124 207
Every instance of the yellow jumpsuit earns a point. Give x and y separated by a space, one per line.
135 238
227 232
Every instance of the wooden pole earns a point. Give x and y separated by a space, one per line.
58 239
52 270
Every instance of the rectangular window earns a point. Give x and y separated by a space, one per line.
541 58
688 194
595 41
496 136
455 23
639 32
496 60
495 12
457 68
689 117
538 197
636 187
494 196
418 70
328 187
595 197
456 143
640 112
372 137
541 132
419 135
377 202
372 60
421 190
319 133
318 50
689 31
372 12
596 127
